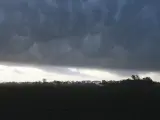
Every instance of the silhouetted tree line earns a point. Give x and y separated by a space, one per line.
133 79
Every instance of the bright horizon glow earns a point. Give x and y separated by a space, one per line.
19 73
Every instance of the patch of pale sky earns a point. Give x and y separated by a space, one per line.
19 73
101 74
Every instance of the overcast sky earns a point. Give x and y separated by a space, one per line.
117 34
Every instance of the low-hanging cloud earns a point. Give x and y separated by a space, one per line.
108 33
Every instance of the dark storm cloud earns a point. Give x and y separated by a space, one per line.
108 33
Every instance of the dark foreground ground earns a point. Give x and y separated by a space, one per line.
80 100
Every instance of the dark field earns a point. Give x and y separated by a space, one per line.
88 100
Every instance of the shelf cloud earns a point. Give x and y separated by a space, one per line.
100 33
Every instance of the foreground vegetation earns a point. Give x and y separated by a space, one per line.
42 97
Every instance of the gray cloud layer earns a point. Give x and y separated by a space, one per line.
109 33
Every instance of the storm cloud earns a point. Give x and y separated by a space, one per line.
99 33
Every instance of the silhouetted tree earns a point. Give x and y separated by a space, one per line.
135 77
44 80
148 79
104 82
